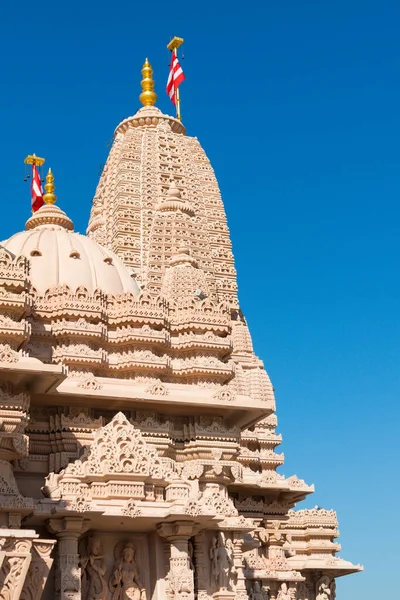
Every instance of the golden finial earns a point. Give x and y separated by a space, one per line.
49 197
148 96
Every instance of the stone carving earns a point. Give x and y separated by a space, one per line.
15 557
131 509
81 503
93 571
118 448
216 499
70 577
89 382
221 556
158 389
7 354
38 569
181 583
284 593
253 560
125 582
224 395
324 592
192 470
258 593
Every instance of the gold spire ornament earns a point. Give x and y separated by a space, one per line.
49 197
148 97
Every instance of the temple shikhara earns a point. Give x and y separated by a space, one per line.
138 443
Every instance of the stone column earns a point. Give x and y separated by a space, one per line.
201 572
38 569
241 592
276 553
68 576
15 558
180 576
14 444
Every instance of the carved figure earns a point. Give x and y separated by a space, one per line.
93 570
283 593
214 560
222 561
191 555
324 593
257 592
125 582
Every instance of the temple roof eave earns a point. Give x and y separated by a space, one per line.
30 372
237 410
334 565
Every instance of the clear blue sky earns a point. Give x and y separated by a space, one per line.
297 105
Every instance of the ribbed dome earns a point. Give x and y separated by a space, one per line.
61 257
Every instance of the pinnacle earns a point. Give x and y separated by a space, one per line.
174 191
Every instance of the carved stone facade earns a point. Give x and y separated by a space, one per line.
137 425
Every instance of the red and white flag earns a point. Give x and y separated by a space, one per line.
175 78
36 189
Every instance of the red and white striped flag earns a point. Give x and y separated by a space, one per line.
36 189
175 77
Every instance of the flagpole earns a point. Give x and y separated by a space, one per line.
35 161
174 45
178 105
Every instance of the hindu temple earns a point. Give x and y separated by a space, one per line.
138 433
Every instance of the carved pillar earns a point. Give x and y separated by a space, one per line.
15 558
241 592
180 576
276 552
38 570
310 588
274 589
201 571
13 444
68 576
292 589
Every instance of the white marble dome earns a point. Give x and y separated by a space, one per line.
59 256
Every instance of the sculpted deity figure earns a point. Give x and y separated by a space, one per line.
221 555
257 592
93 570
214 560
324 593
283 593
125 582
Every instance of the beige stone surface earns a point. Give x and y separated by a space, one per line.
137 426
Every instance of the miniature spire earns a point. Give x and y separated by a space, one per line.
148 96
49 197
174 191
